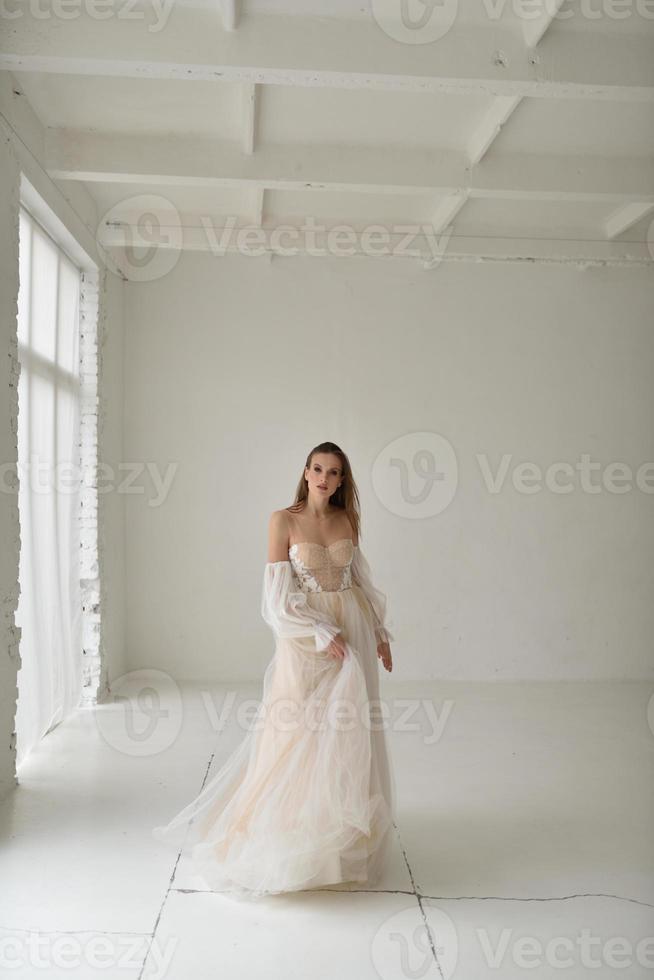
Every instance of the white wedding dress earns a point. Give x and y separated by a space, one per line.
308 797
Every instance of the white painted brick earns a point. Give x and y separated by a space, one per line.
9 516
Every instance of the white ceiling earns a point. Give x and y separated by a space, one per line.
508 143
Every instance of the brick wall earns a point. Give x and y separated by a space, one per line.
9 520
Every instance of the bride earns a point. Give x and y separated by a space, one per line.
308 797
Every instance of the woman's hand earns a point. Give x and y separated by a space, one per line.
337 647
384 654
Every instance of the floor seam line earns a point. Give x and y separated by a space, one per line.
430 937
527 898
170 881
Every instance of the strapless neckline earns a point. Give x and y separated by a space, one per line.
317 544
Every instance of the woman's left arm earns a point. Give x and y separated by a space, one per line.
362 576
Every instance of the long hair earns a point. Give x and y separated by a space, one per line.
346 496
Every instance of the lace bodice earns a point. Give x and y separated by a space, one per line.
322 568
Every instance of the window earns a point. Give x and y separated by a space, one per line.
49 609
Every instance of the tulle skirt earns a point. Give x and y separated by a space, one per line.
308 797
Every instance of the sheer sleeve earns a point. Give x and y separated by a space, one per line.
286 610
362 576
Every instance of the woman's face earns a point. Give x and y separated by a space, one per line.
323 475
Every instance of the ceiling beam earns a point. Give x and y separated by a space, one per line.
424 244
489 128
258 206
169 161
484 135
490 59
230 13
536 27
447 210
625 217
250 106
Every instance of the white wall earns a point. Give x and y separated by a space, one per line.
236 367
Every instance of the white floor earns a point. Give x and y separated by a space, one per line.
525 843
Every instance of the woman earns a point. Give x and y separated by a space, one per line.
308 797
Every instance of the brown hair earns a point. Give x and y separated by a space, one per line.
346 496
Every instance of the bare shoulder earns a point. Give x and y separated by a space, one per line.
278 536
279 521
348 530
